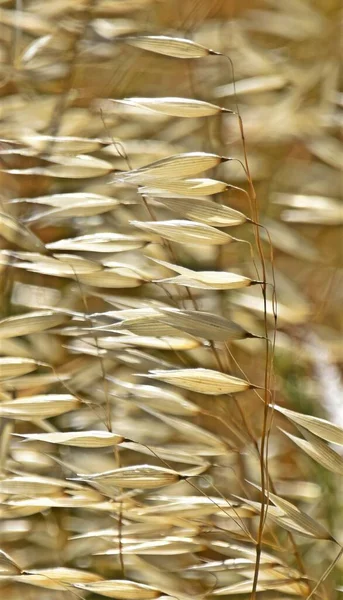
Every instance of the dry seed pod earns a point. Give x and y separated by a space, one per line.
216 280
29 381
66 265
77 264
169 46
80 439
121 589
204 324
62 144
28 323
185 232
245 587
101 242
246 550
17 234
148 324
235 564
81 208
205 211
177 107
30 486
66 200
165 547
185 187
50 261
300 518
39 407
136 312
204 381
127 269
320 427
136 476
297 523
15 366
111 278
69 167
163 343
191 507
168 401
319 451
57 578
252 85
186 454
211 280
177 166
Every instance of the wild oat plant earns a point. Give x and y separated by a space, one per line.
171 399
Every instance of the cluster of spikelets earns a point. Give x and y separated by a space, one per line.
164 337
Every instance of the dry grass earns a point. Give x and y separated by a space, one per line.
170 360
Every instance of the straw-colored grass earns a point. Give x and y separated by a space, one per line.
171 420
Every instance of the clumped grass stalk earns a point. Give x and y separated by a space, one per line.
170 358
